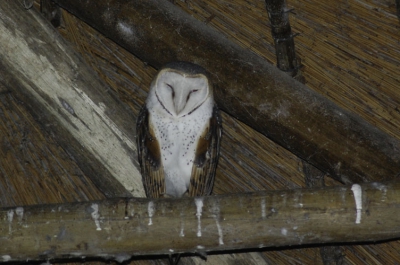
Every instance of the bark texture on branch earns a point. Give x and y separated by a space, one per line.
121 228
248 88
67 98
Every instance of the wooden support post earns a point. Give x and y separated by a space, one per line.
283 38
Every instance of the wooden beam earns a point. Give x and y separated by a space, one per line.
121 228
67 98
312 127
283 38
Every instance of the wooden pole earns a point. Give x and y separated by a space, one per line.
121 228
283 37
67 99
312 127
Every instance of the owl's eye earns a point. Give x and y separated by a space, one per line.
172 89
194 90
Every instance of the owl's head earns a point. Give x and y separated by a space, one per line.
181 88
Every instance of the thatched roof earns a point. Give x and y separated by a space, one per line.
350 52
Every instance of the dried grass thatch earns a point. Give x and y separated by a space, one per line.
350 52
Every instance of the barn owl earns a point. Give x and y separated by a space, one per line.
179 131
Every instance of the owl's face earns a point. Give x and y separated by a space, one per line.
180 93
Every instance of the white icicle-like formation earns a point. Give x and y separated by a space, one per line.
199 209
263 212
151 210
96 215
357 192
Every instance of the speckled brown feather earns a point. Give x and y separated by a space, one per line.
149 156
206 158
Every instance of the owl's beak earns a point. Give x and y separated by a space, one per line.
179 105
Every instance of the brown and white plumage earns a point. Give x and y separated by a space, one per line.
179 131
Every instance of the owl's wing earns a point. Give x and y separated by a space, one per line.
206 158
149 156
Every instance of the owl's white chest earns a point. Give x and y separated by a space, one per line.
178 138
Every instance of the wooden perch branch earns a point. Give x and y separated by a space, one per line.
121 228
248 88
